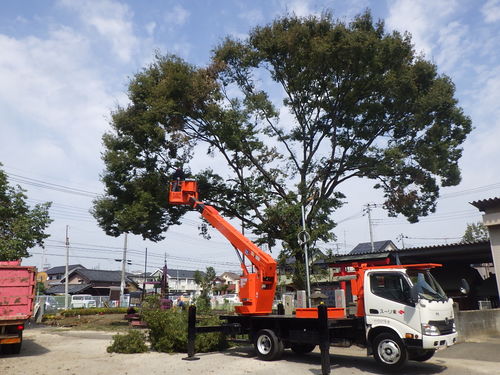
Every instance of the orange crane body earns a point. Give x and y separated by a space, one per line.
257 288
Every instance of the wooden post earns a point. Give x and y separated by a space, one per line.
191 334
324 338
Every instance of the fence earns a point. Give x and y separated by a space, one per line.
53 304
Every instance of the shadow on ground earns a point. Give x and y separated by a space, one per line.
29 349
337 361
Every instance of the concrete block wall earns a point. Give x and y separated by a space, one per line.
477 323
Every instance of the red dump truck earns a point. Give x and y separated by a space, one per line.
17 293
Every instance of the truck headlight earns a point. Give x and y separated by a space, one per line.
430 330
454 327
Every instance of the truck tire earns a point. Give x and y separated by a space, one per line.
302 348
15 348
389 351
268 346
422 355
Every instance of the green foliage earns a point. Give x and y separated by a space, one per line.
168 332
475 232
40 288
203 304
94 311
151 302
206 282
132 342
363 105
21 228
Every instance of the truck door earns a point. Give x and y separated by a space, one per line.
388 302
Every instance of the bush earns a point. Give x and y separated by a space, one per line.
132 342
151 302
168 332
94 311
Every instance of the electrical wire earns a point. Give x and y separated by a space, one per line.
48 185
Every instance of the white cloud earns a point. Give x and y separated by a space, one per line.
422 19
111 20
252 16
491 11
151 27
453 45
48 88
178 16
300 8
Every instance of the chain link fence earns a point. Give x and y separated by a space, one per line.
53 304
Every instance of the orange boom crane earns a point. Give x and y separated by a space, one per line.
257 288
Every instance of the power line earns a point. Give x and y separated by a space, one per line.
51 186
471 190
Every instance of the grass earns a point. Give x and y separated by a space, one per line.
107 322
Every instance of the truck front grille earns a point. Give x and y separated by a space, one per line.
445 326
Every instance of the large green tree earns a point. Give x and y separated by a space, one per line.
294 111
21 227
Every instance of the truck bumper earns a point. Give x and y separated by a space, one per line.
439 342
10 340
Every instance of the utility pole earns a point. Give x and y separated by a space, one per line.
303 238
66 274
368 210
124 260
145 273
402 237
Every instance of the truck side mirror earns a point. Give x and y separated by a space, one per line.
414 294
464 287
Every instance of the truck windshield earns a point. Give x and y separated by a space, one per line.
427 286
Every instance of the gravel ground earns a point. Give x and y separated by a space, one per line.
57 351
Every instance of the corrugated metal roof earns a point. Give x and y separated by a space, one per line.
486 203
440 246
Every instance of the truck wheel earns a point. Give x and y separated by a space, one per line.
422 355
302 348
268 346
389 351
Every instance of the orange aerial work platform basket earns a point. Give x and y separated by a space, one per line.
181 192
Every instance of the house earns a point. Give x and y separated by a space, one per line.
56 274
378 247
94 282
232 280
149 282
179 281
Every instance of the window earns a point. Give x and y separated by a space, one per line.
390 286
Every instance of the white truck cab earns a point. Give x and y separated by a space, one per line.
407 314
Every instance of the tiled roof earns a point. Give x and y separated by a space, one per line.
72 288
232 275
62 269
182 274
366 247
100 275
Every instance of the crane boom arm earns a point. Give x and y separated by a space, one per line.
256 288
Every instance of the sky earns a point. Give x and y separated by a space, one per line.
65 65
